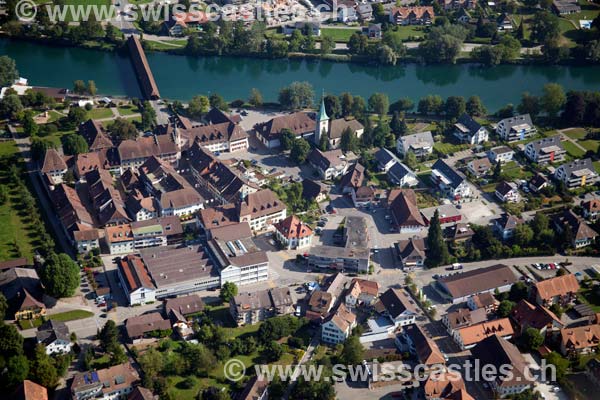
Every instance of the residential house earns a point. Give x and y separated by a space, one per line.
374 30
415 15
261 209
458 4
496 351
106 201
141 393
579 340
565 7
397 305
463 317
293 233
402 204
314 191
105 384
319 305
402 176
330 164
583 235
526 315
578 173
135 280
485 300
185 305
28 390
134 153
54 336
236 255
591 209
546 150
86 240
300 124
479 166
362 291
338 326
347 11
353 179
179 23
95 135
364 11
363 196
252 307
385 159
420 144
146 325
450 181
119 239
225 136
462 285
501 154
467 337
507 192
256 389
458 233
54 166
411 253
504 22
467 130
561 290
415 341
140 207
22 289
538 182
505 225
515 128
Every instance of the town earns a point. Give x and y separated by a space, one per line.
148 243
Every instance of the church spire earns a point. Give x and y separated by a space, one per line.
322 112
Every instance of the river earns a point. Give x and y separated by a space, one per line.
181 77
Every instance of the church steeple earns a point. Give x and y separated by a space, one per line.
322 112
322 123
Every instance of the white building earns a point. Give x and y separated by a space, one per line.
450 181
467 130
516 128
508 192
578 173
293 233
398 306
119 239
338 326
502 154
421 144
54 335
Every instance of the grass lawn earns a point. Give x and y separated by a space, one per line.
572 149
69 15
71 315
166 45
54 116
576 133
339 35
408 31
100 113
8 148
29 323
125 111
597 166
512 170
590 144
449 148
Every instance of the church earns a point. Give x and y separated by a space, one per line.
334 128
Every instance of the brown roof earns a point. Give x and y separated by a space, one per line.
320 301
527 315
413 12
215 217
338 126
118 233
69 208
478 280
208 134
440 385
411 249
138 326
134 273
403 205
261 203
14 263
354 177
578 226
53 161
145 147
343 318
483 300
581 337
476 333
113 379
557 286
185 305
326 159
87 161
94 134
427 350
299 123
364 286
396 301
292 227
254 389
87 234
142 68
141 393
28 390
465 317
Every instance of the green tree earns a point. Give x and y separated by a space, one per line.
228 291
443 44
553 98
497 173
436 245
122 129
346 101
357 44
379 103
296 96
475 107
531 339
454 107
17 370
10 106
313 390
348 141
91 88
198 106
545 27
323 141
108 335
287 139
505 308
60 275
77 115
386 55
556 308
523 235
217 101
11 341
8 71
148 116
352 352
3 302
327 44
561 364
79 87
39 147
530 104
332 106
518 291
74 144
30 128
256 98
410 159
41 369
299 151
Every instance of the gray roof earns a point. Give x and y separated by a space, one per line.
546 142
416 139
456 177
400 170
578 165
52 330
384 156
517 120
469 123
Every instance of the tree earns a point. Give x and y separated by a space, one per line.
30 128
323 141
357 44
430 105
497 173
77 115
198 358
3 302
17 370
475 107
10 106
287 139
299 151
386 55
228 291
198 106
545 27
296 96
217 101
561 364
556 308
346 101
443 44
313 390
122 129
394 40
404 104
255 99
332 106
553 98
79 87
272 351
505 308
11 341
518 291
530 104
359 107
410 159
436 245
348 141
74 144
108 335
214 393
41 369
60 275
8 71
327 44
148 116
454 107
379 103
353 351
91 88
523 235
531 339
39 147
